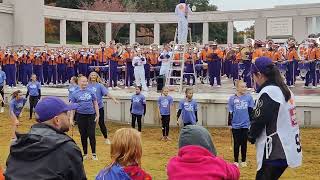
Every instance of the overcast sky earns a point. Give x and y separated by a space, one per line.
226 5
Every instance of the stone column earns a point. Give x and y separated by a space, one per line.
260 29
205 33
156 33
63 32
85 33
230 32
108 32
28 22
314 25
300 28
132 35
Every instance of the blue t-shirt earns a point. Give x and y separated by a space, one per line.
138 102
33 88
188 109
17 105
2 77
238 106
84 99
164 103
99 90
71 89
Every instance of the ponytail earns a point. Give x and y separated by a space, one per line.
15 94
273 75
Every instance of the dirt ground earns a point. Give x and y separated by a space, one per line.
157 153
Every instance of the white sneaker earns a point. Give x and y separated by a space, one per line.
313 87
292 86
14 87
94 157
249 89
2 110
132 87
85 157
110 88
243 164
107 141
218 86
149 86
236 163
126 87
116 88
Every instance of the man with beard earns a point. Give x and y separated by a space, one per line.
46 152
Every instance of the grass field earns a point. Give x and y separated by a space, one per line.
157 153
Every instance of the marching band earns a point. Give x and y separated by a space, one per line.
123 64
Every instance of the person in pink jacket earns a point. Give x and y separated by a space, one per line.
197 158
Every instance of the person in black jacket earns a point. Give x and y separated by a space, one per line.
46 152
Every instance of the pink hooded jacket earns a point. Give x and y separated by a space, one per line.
195 162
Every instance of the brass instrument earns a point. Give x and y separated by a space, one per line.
230 53
245 53
119 49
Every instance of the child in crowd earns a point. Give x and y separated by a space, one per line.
126 153
73 86
34 90
165 102
188 108
15 108
197 158
240 107
137 108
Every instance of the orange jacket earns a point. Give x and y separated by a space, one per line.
1 174
60 60
38 60
203 55
318 53
238 57
10 59
211 51
257 53
104 56
110 52
188 58
276 56
312 53
292 55
153 58
27 59
268 54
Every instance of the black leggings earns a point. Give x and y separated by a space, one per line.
165 124
102 124
2 94
240 137
33 100
87 128
133 121
269 172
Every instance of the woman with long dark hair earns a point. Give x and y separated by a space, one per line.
274 128
15 108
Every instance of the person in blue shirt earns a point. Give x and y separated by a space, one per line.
165 102
87 114
138 108
73 86
2 83
15 108
34 93
188 108
240 107
100 91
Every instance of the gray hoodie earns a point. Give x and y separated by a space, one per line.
196 135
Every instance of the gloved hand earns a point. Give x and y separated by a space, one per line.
143 59
136 64
161 57
167 56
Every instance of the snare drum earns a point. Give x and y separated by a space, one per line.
304 68
283 67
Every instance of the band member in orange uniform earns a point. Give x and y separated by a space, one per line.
214 56
112 55
127 57
292 58
152 61
9 60
52 69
